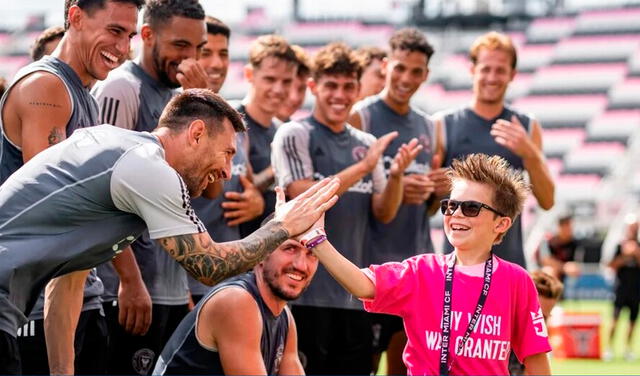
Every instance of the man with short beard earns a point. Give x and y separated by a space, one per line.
133 97
243 325
240 200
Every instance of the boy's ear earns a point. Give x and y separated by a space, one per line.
503 224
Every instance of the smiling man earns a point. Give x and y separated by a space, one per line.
48 100
491 127
243 325
406 68
270 72
335 332
80 203
133 97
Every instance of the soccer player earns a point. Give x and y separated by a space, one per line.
240 200
243 326
270 72
46 102
298 90
405 69
373 77
465 311
80 203
491 127
335 334
133 97
46 42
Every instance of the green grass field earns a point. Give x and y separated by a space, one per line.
617 366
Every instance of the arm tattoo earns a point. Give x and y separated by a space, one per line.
45 104
55 136
211 262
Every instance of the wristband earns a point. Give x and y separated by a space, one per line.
312 236
316 241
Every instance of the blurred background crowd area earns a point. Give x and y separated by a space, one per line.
578 73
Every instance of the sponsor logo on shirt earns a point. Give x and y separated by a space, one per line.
361 186
538 323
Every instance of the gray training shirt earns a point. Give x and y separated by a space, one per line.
310 150
130 98
78 204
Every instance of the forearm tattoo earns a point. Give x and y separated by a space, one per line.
210 262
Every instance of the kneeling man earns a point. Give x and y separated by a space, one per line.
243 325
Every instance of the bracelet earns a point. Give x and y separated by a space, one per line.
312 235
316 241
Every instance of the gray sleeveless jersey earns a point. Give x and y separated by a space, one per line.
84 113
409 233
130 98
310 150
79 203
84 110
184 355
210 211
466 133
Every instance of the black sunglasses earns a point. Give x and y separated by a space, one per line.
469 208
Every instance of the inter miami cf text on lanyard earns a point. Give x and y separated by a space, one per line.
446 311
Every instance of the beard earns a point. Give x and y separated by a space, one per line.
158 64
271 278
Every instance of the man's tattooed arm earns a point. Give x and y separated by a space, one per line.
56 135
211 262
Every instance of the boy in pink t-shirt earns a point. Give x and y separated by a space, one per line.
480 305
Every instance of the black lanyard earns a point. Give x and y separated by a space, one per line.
446 311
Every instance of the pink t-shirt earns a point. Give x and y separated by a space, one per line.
510 319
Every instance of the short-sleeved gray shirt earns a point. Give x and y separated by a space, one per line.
79 203
310 150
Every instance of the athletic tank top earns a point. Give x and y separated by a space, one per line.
466 133
183 354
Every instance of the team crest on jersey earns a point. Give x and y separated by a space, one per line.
142 361
358 153
425 142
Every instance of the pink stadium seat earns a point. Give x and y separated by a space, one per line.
550 29
563 110
578 77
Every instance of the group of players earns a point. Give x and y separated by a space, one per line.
108 194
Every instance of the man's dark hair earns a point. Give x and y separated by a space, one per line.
336 58
3 86
49 35
412 40
89 6
203 104
159 12
216 26
304 63
368 54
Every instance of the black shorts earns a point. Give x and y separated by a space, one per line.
333 341
136 355
631 302
9 355
383 327
90 345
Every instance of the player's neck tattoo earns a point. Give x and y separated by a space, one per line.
212 262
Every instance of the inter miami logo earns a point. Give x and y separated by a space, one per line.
142 361
359 152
